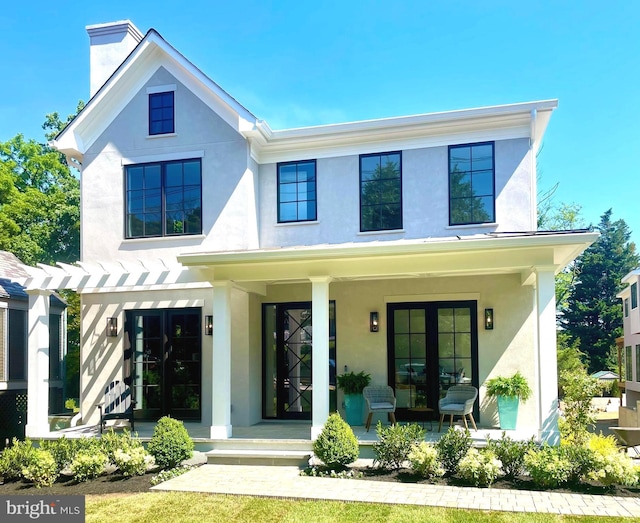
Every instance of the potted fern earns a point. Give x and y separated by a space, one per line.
508 391
352 385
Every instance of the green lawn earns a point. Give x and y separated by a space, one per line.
158 507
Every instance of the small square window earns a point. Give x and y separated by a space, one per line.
161 113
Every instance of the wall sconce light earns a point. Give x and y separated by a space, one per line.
112 327
373 322
488 319
208 325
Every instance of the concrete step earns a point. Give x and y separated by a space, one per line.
262 444
290 458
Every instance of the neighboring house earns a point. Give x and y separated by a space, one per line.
14 370
631 328
230 270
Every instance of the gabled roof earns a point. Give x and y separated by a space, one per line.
11 267
521 120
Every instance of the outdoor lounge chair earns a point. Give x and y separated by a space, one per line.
117 404
380 399
458 402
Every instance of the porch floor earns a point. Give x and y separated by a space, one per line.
292 430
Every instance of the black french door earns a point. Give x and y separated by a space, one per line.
163 362
287 360
432 346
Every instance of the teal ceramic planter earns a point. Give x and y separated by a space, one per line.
508 411
353 408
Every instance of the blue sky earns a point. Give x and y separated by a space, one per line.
296 63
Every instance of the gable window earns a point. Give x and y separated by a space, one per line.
634 295
161 114
471 184
380 191
163 199
297 191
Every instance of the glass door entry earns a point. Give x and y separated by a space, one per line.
287 349
163 362
432 346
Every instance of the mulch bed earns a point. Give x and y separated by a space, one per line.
115 484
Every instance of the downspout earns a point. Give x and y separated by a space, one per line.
533 151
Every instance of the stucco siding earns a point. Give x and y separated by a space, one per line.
228 184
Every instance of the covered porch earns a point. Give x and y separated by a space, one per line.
510 273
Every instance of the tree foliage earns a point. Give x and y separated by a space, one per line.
593 313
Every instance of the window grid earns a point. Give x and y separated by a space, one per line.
471 183
163 199
161 113
297 193
628 363
381 191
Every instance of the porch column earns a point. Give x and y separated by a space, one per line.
320 353
547 356
221 361
38 364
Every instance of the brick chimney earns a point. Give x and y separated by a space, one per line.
110 44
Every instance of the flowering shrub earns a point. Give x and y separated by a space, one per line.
548 467
112 441
133 461
16 458
511 454
610 466
424 460
452 447
42 469
394 444
319 472
88 465
479 467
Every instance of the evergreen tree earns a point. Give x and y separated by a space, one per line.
593 313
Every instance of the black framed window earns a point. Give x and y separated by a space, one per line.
161 113
163 199
17 344
471 184
380 191
297 191
634 295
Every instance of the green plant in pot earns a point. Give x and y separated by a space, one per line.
509 391
352 385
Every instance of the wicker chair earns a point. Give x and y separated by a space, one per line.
458 402
380 399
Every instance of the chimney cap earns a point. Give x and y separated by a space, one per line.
110 28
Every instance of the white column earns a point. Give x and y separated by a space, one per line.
547 356
221 364
320 353
38 364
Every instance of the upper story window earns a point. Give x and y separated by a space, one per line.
634 295
380 191
297 191
161 113
626 307
163 199
471 184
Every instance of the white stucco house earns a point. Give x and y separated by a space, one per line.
230 270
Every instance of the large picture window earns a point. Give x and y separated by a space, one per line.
380 191
297 191
163 199
471 184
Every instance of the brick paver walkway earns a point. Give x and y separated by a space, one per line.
286 482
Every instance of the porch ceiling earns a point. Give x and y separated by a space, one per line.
459 256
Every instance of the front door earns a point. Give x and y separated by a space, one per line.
432 346
165 367
287 350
